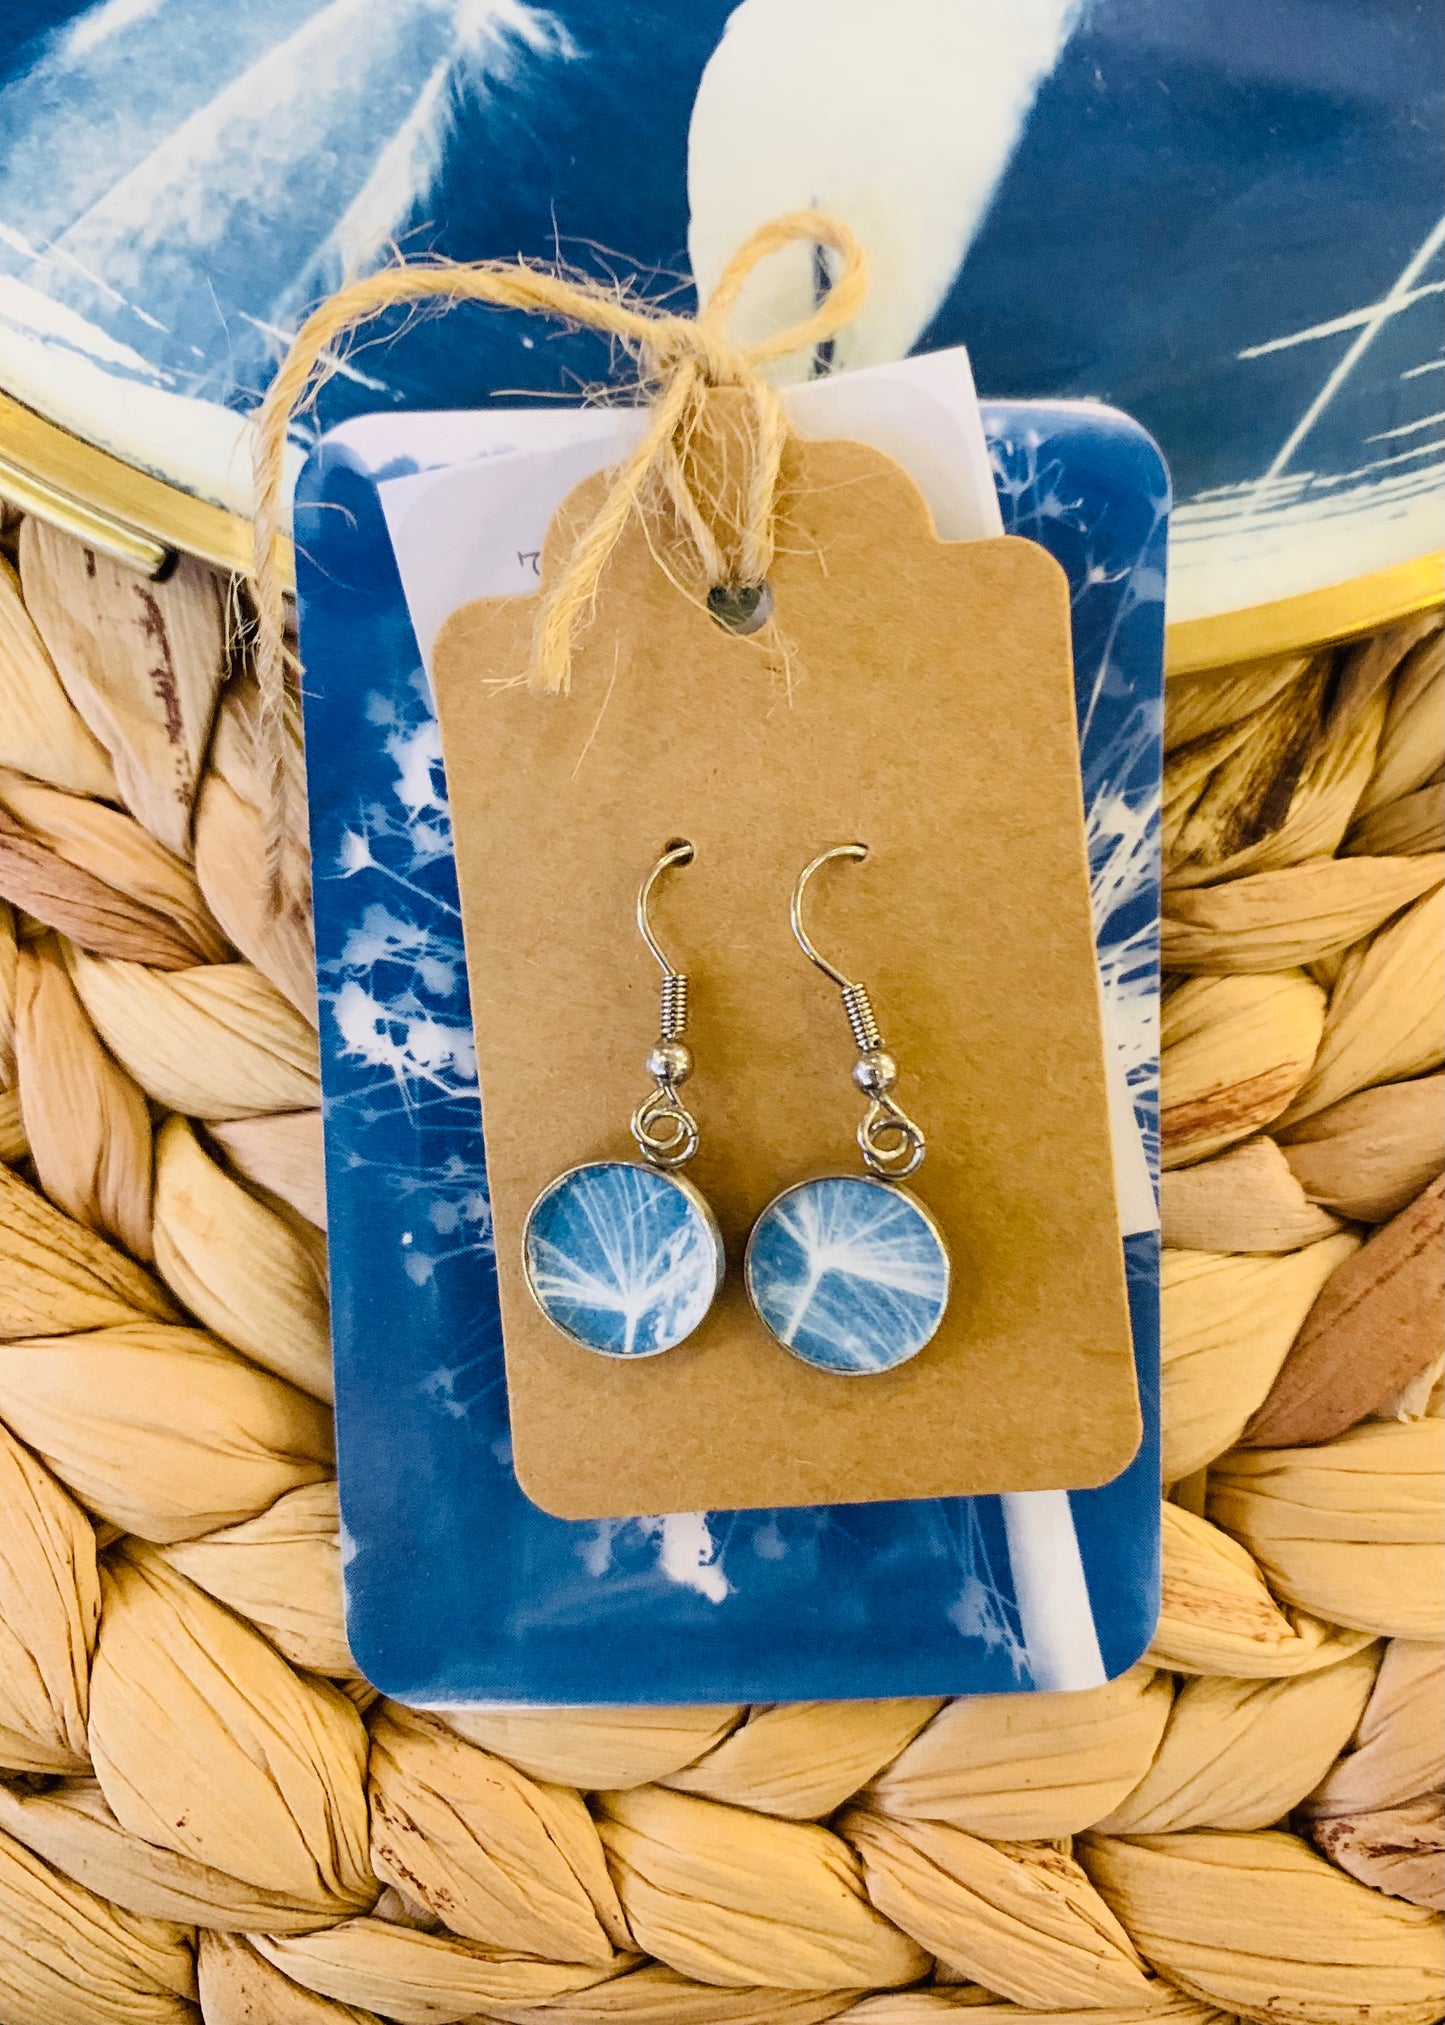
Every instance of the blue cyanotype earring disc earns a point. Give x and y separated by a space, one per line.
849 1273
622 1258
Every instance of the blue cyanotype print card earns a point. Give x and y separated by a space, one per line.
459 1590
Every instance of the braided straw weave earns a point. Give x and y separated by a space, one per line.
204 1813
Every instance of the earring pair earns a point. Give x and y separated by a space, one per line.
848 1272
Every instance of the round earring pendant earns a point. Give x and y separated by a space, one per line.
849 1273
623 1259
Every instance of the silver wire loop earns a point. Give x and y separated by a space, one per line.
665 1130
892 1144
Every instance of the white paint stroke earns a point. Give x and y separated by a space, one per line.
1390 305
1378 315
1407 428
1051 1590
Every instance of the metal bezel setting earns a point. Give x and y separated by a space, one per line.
866 1181
699 1203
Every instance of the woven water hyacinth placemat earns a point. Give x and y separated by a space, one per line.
205 1813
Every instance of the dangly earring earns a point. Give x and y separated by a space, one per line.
850 1272
624 1256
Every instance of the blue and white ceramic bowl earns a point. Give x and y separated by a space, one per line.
849 1273
1228 227
623 1259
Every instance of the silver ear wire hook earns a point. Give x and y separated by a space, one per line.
665 1130
795 911
674 982
892 1145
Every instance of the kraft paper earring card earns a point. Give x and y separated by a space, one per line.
928 711
460 1589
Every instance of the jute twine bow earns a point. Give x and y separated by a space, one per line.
681 361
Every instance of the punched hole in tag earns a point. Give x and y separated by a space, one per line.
741 608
